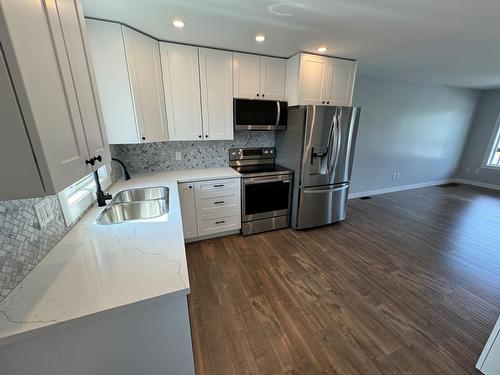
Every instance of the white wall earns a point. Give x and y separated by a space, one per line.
413 129
478 141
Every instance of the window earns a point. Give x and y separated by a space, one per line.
76 198
492 159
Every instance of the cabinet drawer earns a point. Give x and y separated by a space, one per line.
226 200
218 223
209 187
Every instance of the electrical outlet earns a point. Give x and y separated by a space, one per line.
398 175
43 212
178 155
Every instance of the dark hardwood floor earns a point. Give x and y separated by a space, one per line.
408 284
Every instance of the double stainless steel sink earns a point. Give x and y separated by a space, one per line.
136 205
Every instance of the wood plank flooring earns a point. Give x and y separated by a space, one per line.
408 284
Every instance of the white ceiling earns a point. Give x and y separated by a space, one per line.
450 42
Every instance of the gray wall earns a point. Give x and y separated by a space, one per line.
478 141
413 129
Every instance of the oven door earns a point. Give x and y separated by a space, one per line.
264 197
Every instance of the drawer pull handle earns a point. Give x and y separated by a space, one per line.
219 185
219 202
220 222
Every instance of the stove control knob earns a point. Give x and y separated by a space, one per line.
266 152
233 153
271 151
239 153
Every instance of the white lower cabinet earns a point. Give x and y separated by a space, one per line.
489 361
210 207
188 209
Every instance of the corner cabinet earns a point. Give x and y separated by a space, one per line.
128 72
258 77
313 79
57 120
210 208
198 92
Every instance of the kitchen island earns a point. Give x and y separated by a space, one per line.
107 298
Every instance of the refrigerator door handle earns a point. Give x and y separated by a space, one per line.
334 155
327 190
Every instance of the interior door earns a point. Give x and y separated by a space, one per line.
181 78
314 79
272 78
246 74
343 73
143 59
216 81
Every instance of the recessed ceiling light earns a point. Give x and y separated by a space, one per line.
322 49
178 23
260 38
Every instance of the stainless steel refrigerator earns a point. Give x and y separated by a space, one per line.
318 145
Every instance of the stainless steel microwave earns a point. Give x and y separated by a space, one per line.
253 114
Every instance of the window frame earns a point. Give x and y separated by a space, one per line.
492 145
73 210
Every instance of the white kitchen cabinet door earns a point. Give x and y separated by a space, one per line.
15 145
272 78
113 82
246 76
182 91
143 59
314 76
68 15
34 49
188 210
216 81
342 73
489 360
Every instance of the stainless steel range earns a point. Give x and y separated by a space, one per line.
266 189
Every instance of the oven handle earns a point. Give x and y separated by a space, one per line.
263 181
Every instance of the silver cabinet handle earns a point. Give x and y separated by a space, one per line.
279 113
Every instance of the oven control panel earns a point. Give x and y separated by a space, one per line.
252 153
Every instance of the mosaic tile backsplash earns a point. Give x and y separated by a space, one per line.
194 154
22 243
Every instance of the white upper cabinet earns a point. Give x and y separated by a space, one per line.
143 58
182 91
48 61
342 82
313 79
128 72
111 71
246 75
216 78
15 145
258 77
272 78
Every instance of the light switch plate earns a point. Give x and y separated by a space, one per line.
43 212
178 155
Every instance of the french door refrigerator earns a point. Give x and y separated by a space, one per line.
318 146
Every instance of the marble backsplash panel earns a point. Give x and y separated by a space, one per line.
194 154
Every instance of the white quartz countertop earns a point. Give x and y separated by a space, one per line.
97 268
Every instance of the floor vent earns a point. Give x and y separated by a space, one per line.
451 184
365 198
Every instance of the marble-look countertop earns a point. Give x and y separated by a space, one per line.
97 268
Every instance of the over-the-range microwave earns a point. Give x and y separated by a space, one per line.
254 114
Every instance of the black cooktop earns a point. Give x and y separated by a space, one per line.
262 170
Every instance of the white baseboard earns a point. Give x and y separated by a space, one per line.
399 188
476 183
